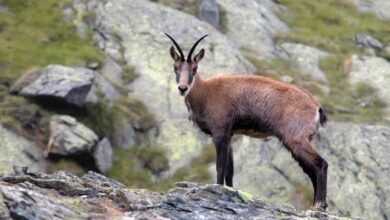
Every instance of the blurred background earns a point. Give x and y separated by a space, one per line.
89 85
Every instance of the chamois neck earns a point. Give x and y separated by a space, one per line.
196 93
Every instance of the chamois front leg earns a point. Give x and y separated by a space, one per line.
221 142
230 168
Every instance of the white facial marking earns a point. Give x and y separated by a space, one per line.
317 117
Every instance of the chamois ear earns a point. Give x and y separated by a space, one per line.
198 57
174 55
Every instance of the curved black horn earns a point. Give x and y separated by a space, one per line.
177 46
193 48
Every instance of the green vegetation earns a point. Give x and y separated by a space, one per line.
110 121
128 74
29 39
344 102
331 25
137 166
67 165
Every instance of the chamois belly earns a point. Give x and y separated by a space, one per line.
252 128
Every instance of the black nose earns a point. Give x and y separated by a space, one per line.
183 88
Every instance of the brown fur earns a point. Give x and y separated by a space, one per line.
255 106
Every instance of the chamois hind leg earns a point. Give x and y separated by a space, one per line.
314 166
221 142
230 168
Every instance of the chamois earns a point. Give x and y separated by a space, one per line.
255 106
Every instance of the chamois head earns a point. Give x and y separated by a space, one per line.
185 69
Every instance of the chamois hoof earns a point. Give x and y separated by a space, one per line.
320 206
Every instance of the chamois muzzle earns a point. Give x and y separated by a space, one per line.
182 89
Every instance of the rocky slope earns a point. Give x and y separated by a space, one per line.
62 195
358 168
136 63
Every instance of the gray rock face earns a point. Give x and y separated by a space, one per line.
102 90
365 40
209 12
68 84
127 138
357 174
380 8
26 196
67 136
18 151
112 70
372 70
252 26
306 60
129 28
102 154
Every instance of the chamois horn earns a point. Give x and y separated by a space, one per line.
177 46
193 48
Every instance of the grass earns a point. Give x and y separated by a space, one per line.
33 33
330 25
67 165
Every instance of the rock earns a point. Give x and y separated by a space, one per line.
357 175
129 28
62 195
67 136
372 70
287 79
102 154
380 8
209 12
305 59
365 40
127 138
112 70
255 30
18 151
70 85
102 90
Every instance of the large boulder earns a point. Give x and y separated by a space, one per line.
372 70
305 59
128 28
357 175
30 195
380 8
70 85
18 151
68 136
252 26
